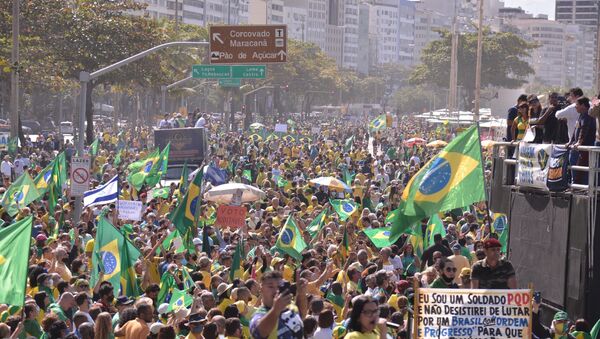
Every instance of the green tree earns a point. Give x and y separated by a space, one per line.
503 63
59 39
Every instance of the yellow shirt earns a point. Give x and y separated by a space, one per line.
223 305
206 278
358 335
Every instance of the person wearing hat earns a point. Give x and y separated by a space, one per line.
559 329
223 296
195 323
460 261
465 278
122 303
493 272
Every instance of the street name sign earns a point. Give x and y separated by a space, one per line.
229 72
230 82
251 44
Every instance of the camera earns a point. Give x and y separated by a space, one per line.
285 286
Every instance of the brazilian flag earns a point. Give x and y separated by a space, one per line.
290 240
162 192
20 194
434 226
43 179
273 136
453 178
380 237
317 224
289 138
184 216
159 168
344 208
138 178
114 255
236 265
378 123
305 139
255 137
401 223
15 241
179 299
416 239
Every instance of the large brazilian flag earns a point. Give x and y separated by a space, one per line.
453 178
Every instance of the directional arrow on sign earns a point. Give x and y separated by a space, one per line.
217 37
282 54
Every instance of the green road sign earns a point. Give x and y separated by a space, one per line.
229 72
211 72
248 72
230 82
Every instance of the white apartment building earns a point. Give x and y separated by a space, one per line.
561 59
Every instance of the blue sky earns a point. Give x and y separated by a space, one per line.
533 6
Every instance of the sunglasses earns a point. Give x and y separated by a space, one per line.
450 269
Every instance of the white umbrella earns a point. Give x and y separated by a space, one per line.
234 193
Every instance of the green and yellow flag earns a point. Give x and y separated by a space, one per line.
434 226
162 192
15 241
138 178
290 240
20 194
344 207
236 264
43 179
184 215
380 237
378 123
159 168
114 255
317 224
453 178
179 299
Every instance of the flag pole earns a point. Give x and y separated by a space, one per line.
487 201
26 275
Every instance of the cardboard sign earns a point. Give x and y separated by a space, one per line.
281 128
231 216
467 313
129 210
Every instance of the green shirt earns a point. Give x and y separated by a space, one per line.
31 329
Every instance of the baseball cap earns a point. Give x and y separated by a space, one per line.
456 247
465 272
561 316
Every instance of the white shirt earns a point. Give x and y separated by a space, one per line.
201 122
570 114
323 333
6 168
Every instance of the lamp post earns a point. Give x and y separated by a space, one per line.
478 65
14 74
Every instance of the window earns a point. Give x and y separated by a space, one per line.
193 16
195 3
